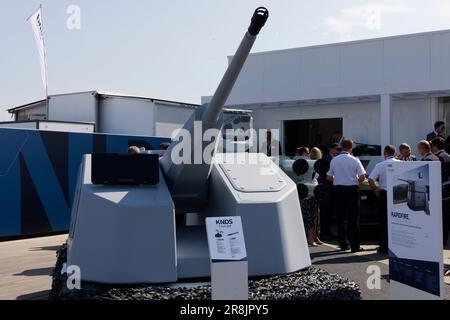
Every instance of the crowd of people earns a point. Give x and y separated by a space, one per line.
341 184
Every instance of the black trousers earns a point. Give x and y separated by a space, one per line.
326 210
346 204
383 220
445 219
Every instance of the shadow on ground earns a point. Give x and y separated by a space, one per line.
48 248
36 272
39 295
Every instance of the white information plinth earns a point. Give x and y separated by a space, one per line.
415 230
228 256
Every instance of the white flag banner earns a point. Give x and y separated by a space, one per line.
36 24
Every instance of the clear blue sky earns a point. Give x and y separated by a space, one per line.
177 49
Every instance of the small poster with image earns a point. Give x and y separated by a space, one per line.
415 230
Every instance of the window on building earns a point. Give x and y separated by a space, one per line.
309 133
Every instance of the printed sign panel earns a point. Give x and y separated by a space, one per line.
226 239
415 230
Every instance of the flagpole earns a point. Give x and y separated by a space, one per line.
39 34
46 71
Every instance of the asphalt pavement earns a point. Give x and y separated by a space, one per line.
360 266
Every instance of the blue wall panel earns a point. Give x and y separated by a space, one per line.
10 201
38 175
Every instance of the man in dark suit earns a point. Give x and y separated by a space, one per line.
335 150
424 149
439 131
271 147
326 204
437 146
405 153
447 145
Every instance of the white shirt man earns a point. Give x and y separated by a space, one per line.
347 173
346 169
379 174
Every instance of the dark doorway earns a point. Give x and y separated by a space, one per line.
309 133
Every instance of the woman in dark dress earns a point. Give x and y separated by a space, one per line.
310 207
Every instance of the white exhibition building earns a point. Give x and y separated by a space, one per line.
381 91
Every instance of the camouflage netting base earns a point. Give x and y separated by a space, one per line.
309 284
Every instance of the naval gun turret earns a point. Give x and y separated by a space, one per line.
418 194
188 181
125 233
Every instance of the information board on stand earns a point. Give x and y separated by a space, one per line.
415 230
228 258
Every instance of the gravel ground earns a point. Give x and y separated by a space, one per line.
309 284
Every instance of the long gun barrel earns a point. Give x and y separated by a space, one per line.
212 113
188 182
